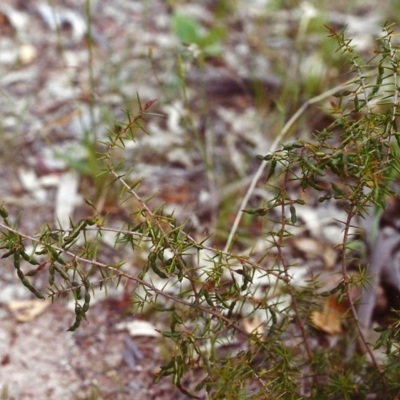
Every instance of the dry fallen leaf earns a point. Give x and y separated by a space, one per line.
329 319
27 310
138 328
67 197
27 54
254 325
315 249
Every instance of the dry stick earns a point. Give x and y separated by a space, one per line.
274 146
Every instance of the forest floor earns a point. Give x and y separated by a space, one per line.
59 92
